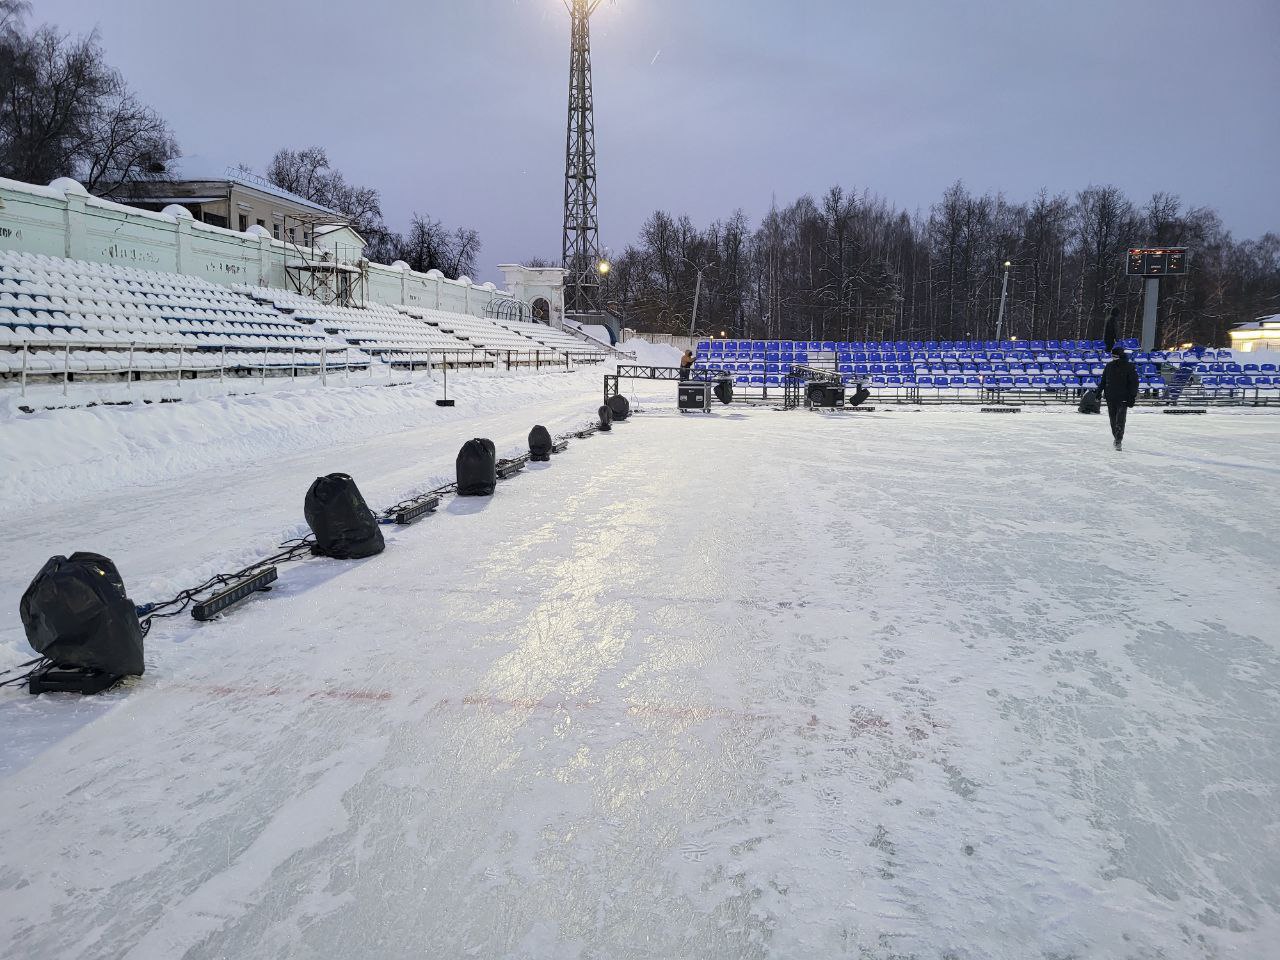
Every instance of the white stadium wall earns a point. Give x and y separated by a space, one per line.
63 220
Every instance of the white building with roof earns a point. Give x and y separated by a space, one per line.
1260 334
226 195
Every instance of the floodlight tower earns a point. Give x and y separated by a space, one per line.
581 245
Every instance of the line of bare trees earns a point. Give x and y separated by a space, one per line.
852 267
427 245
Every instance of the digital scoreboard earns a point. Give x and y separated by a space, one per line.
1157 262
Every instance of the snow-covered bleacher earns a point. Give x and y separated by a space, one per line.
380 331
1049 368
61 315
77 319
556 339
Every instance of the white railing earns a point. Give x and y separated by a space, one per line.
178 360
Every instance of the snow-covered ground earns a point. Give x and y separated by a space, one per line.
903 684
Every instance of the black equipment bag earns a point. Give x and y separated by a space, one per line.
345 527
859 396
77 614
539 444
724 390
477 468
606 418
1090 402
620 407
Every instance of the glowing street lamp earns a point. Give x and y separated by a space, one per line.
603 268
1004 293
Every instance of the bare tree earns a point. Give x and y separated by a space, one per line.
65 112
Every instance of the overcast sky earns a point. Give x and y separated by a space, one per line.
457 107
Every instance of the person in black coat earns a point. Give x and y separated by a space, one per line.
1110 331
1119 388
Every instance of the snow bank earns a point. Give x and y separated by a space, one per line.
53 454
655 354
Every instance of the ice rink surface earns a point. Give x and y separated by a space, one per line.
902 684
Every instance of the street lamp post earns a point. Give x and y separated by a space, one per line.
697 292
1004 294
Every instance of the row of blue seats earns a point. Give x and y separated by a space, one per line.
721 346
875 369
22 316
1156 356
1010 383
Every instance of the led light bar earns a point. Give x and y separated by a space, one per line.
560 446
412 514
1001 409
509 468
583 434
208 609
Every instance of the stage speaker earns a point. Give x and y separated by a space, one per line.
477 468
540 444
344 526
77 614
825 395
606 418
620 406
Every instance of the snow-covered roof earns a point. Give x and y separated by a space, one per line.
1260 324
202 167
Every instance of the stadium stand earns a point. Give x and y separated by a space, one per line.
80 319
1034 370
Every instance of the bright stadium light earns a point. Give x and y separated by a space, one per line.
603 268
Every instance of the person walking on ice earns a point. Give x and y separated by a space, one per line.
1119 388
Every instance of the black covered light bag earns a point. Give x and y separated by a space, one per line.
477 468
620 407
77 614
345 527
724 391
539 444
859 396
606 418
1090 402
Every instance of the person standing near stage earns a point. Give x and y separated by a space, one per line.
1119 388
686 365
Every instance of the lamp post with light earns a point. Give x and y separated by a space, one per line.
1004 294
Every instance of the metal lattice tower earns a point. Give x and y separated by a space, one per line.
581 246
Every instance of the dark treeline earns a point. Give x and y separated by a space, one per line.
65 112
852 267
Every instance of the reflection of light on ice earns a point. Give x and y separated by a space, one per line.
773 685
